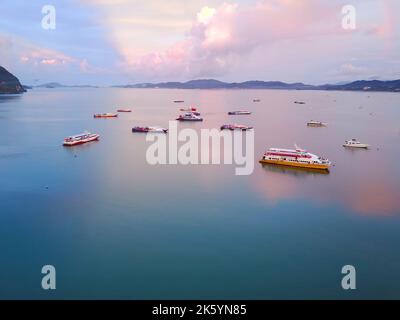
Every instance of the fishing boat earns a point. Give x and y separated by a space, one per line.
106 115
313 123
80 139
189 117
233 127
354 143
124 110
295 158
240 112
149 129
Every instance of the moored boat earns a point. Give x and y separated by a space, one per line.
106 115
295 158
188 109
189 117
233 127
240 112
149 129
80 139
354 143
313 123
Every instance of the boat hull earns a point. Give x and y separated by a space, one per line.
189 119
239 113
356 146
295 164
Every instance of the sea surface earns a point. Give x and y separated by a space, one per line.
116 227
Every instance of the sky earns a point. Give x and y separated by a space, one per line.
112 42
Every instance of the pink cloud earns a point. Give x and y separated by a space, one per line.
221 36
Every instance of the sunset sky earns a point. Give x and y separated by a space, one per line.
106 42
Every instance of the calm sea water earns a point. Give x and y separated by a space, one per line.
116 227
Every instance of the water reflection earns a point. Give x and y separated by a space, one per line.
9 97
296 171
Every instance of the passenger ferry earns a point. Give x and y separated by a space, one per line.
80 139
189 117
106 115
233 127
295 158
313 123
238 113
354 143
149 129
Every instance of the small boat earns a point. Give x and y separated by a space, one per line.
299 102
189 117
106 115
256 100
149 129
179 101
80 139
313 123
189 109
233 127
354 143
295 158
239 113
124 110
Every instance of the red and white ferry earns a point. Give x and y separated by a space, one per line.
295 158
81 139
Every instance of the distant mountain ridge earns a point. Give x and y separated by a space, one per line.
53 85
361 85
9 84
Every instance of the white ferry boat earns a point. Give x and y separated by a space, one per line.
295 158
189 117
354 143
80 139
149 129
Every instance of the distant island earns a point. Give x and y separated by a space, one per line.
9 84
361 85
53 85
